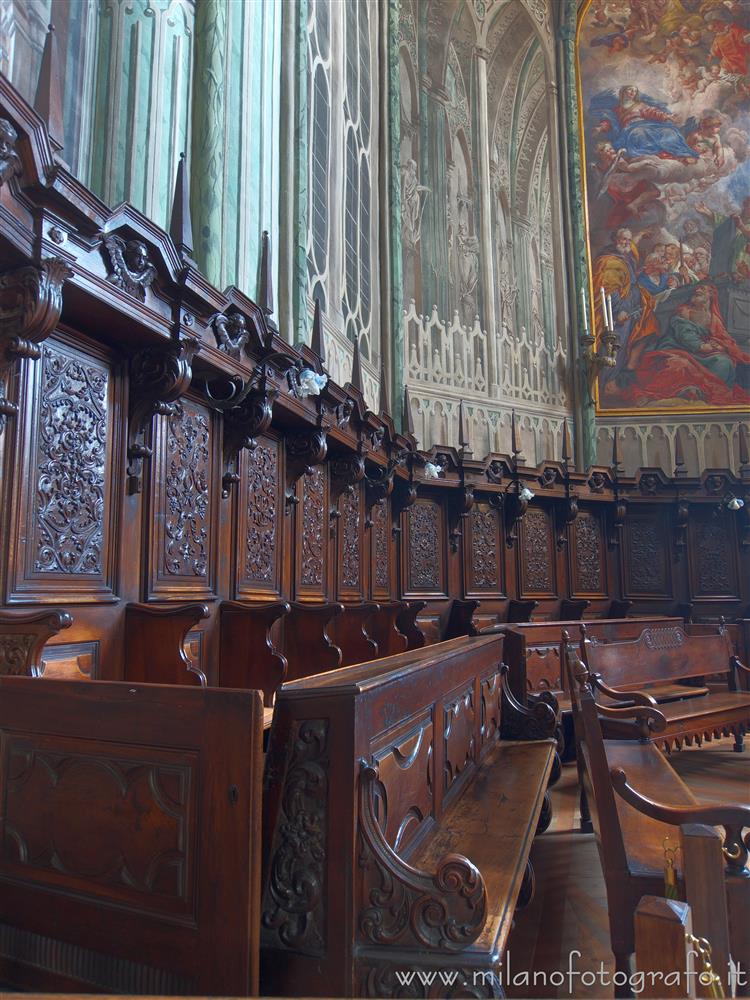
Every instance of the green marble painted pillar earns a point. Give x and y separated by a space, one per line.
142 101
576 233
394 203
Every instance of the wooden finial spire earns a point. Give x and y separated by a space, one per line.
356 379
180 224
679 456
408 419
384 405
48 101
514 435
615 452
567 450
744 447
265 290
462 441
317 340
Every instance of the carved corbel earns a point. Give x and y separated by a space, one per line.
618 521
304 450
158 377
460 510
346 472
242 425
515 511
30 307
570 513
681 526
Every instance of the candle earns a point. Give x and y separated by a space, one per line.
585 312
605 314
611 317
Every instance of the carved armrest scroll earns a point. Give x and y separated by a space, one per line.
537 722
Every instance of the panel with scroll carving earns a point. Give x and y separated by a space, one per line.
64 514
260 521
588 567
184 498
50 786
381 550
482 551
425 552
349 535
713 556
403 794
647 555
537 553
312 519
459 720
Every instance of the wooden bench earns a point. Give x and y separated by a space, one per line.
668 655
23 635
397 824
156 641
634 798
350 632
130 855
384 629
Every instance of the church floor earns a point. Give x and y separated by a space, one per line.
569 911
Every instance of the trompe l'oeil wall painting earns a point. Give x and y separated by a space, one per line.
665 101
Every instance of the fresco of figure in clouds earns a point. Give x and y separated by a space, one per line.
665 118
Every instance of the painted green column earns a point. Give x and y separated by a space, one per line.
394 205
142 101
578 262
209 112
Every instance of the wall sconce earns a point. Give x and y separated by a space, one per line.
606 356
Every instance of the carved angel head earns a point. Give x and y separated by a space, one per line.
231 332
10 163
131 268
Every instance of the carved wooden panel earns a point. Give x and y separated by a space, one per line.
537 553
311 549
647 555
71 661
349 537
482 551
425 548
184 499
459 715
490 691
713 556
403 794
50 776
260 521
381 550
64 515
587 558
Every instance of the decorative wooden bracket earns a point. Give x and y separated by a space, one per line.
242 425
618 522
460 510
515 511
304 450
30 307
570 513
404 907
681 526
158 377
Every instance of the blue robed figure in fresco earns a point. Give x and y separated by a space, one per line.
638 125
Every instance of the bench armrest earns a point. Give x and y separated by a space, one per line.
740 670
732 817
647 720
635 697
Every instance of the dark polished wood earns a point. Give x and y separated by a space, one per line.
23 635
131 855
397 823
307 644
155 641
248 657
350 631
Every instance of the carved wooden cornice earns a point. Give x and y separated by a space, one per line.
30 307
158 377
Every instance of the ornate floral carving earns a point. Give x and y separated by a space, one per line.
30 306
424 546
485 532
713 559
187 475
10 161
537 563
404 906
664 638
350 553
293 914
71 464
14 652
132 271
588 554
313 533
647 572
231 332
262 512
380 528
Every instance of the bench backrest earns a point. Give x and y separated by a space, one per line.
419 722
23 635
130 853
659 653
532 650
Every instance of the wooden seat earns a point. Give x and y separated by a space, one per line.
23 635
397 821
627 671
632 798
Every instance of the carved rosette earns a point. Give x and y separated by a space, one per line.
484 535
30 307
405 907
293 913
262 513
158 377
588 554
349 527
424 542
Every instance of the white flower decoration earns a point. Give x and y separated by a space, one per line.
310 383
432 471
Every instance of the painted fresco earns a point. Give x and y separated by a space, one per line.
665 98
